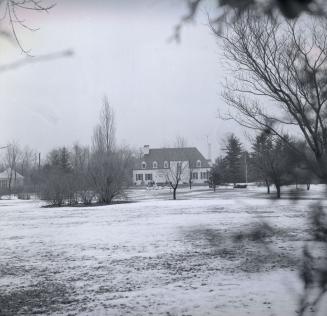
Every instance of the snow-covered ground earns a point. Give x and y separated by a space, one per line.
155 256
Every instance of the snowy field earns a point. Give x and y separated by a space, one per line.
155 256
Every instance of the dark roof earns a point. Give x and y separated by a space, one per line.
160 155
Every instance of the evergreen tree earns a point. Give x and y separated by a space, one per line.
273 160
59 185
65 159
232 160
54 158
216 175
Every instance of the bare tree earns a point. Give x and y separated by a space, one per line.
180 142
108 163
80 159
12 156
261 147
27 161
127 157
104 132
273 161
175 173
26 166
105 175
81 174
279 79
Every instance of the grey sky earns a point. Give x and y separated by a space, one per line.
158 89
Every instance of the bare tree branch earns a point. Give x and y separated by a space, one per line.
234 9
279 77
31 60
11 14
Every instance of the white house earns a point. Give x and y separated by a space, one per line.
12 178
157 165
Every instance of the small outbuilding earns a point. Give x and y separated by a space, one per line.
10 178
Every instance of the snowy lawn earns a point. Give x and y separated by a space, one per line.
153 257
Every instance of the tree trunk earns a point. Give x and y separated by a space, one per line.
268 186
308 186
322 166
278 190
174 193
190 182
214 188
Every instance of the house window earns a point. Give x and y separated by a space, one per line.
198 164
155 165
204 175
139 177
148 177
194 175
3 183
166 165
143 165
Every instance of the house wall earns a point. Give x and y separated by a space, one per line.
160 176
202 175
4 183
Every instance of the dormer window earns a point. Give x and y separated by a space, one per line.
166 165
198 164
143 165
155 165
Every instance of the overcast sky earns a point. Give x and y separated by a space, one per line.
158 89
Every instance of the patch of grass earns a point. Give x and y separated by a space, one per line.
80 205
247 249
39 298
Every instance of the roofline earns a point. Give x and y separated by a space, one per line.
175 148
168 168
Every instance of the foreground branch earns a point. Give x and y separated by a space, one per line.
31 60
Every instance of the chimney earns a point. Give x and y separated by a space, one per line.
146 149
